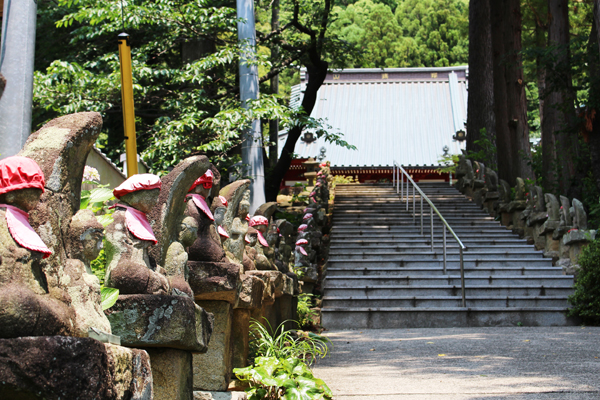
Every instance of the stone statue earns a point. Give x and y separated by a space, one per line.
580 220
238 228
28 307
566 221
261 224
85 244
505 191
491 180
207 246
520 192
60 148
552 207
129 266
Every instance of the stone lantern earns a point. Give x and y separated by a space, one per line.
311 170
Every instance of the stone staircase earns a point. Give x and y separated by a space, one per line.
382 273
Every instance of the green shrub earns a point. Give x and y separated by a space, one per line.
280 368
586 299
305 313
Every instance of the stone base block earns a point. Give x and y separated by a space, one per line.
172 374
64 367
241 337
200 395
251 292
214 281
144 320
286 308
212 370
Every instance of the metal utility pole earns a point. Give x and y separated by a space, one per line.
252 145
17 53
274 124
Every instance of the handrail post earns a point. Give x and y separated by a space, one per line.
421 214
407 190
402 186
393 175
462 278
414 211
431 220
444 229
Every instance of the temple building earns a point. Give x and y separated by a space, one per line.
412 116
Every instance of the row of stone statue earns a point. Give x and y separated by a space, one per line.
556 225
178 247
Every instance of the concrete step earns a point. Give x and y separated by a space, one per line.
445 301
391 318
433 271
419 255
419 244
452 262
448 290
334 282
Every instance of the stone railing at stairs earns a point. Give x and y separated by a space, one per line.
383 274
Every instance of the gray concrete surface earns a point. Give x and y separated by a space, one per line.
520 363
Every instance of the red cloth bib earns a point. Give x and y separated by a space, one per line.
200 202
262 239
222 231
138 224
22 232
301 250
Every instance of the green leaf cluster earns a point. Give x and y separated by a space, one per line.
586 299
405 33
282 378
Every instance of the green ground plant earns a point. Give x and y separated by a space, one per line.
281 364
586 299
305 312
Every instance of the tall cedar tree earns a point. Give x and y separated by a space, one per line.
512 131
559 97
593 108
481 81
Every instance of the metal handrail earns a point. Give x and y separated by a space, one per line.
398 183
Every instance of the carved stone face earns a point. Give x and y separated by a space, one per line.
142 200
219 215
244 207
91 241
25 199
202 191
188 232
253 238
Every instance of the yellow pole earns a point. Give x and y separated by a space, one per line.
127 101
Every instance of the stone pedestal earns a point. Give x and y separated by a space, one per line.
172 374
63 367
201 395
551 247
212 370
171 328
143 320
241 337
576 240
214 280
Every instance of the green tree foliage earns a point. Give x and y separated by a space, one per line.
414 33
586 299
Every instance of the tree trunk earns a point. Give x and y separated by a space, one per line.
512 131
274 124
559 104
317 72
594 101
481 82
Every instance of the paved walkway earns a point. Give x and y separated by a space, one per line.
520 363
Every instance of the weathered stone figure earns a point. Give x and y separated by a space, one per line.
261 224
580 217
27 307
85 243
129 267
238 229
207 247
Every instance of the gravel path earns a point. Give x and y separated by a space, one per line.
521 363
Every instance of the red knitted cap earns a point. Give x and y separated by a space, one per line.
206 180
258 220
18 172
137 182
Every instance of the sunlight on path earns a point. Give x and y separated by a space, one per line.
464 363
